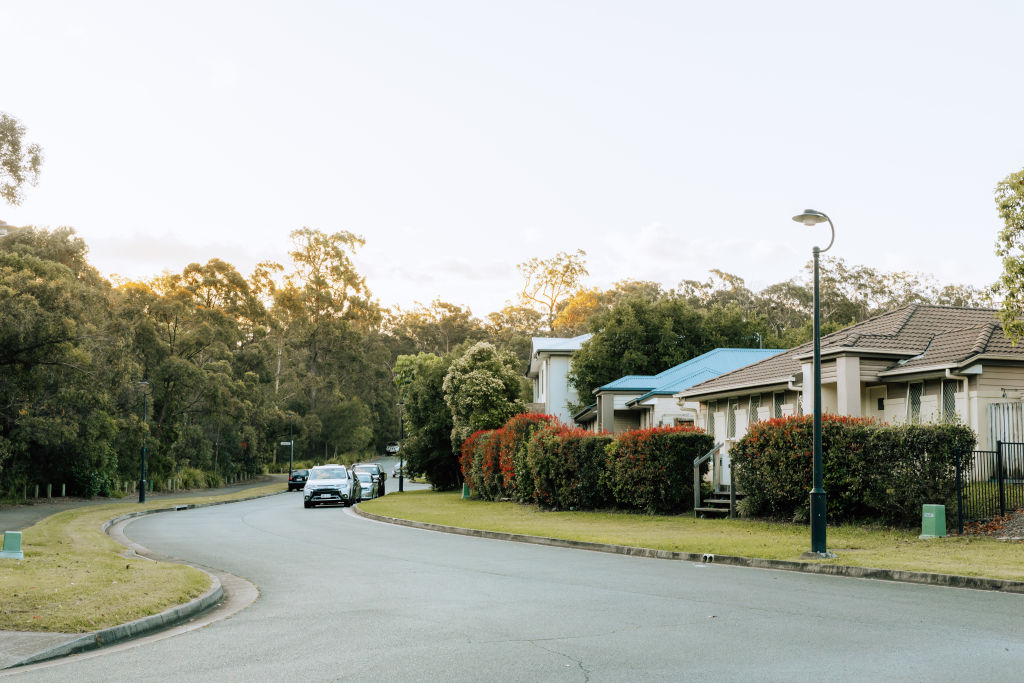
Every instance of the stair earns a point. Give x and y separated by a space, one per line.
715 506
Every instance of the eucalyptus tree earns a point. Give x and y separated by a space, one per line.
20 162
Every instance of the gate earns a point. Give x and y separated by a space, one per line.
992 484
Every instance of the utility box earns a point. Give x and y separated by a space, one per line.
933 521
465 490
12 546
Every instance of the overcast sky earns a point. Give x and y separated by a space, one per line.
462 138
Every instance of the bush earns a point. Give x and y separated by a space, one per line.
567 467
652 469
870 472
517 479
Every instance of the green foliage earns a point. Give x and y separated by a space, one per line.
871 472
652 469
428 422
567 467
19 162
1010 248
481 390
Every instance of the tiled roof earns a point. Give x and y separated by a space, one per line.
697 369
914 337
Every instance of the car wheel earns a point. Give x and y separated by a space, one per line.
306 504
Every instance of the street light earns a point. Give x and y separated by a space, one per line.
142 469
819 547
401 456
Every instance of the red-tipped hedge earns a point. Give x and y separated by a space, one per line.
517 480
568 466
652 469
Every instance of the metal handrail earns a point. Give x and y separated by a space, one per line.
697 462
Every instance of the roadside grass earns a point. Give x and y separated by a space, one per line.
860 546
75 578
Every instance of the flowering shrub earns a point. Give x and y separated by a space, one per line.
467 454
652 469
870 471
567 465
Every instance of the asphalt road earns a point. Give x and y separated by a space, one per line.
343 597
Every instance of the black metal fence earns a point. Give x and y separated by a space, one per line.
992 484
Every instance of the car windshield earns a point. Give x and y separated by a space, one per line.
330 473
300 473
363 476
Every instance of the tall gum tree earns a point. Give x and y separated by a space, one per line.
1010 248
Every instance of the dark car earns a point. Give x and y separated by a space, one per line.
297 479
375 471
331 485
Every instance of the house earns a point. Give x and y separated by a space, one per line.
550 359
643 401
919 363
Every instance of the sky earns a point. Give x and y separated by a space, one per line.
460 138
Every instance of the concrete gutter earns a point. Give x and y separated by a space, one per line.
925 578
133 629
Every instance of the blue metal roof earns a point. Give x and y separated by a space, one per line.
694 371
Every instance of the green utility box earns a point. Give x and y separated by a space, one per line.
12 546
933 521
465 490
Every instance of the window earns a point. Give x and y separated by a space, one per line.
755 403
730 418
800 403
949 400
777 404
712 407
914 402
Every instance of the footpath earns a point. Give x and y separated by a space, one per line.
22 647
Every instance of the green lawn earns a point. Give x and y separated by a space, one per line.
74 577
854 545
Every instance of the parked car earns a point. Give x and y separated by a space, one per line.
400 471
369 488
330 484
374 470
297 479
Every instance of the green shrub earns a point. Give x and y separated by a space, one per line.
652 469
870 472
567 467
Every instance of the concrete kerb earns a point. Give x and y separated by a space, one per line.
145 625
903 576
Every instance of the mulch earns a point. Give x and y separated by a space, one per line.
1008 527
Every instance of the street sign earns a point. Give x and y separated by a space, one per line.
286 443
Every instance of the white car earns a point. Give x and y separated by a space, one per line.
331 485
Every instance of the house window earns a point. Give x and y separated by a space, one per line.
755 403
949 400
712 407
800 403
542 383
730 418
914 402
778 398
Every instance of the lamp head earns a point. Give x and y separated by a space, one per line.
810 218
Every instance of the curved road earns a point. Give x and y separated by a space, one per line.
343 597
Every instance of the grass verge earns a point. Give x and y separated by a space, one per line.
75 579
855 545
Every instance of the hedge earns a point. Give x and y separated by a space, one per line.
567 467
652 469
517 480
870 472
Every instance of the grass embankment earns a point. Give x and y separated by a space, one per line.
854 545
75 578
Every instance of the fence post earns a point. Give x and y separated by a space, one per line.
696 489
999 476
959 496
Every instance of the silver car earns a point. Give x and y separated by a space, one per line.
369 486
332 485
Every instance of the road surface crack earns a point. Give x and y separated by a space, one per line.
577 662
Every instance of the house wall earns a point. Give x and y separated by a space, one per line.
990 385
560 393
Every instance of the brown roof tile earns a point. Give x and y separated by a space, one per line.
916 335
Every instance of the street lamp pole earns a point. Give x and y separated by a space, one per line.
291 446
401 456
819 546
142 467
